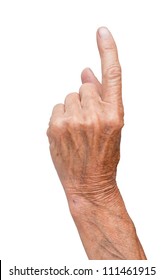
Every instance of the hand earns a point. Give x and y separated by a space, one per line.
84 135
85 131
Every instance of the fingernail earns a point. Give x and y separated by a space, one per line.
104 32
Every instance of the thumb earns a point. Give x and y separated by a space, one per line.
87 76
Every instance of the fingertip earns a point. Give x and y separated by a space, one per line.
104 33
105 40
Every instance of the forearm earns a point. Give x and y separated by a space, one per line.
107 232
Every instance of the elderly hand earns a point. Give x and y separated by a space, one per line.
85 131
84 135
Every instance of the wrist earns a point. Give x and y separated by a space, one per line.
110 213
93 194
97 204
107 231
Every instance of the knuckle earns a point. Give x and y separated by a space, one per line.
89 121
56 127
72 122
58 124
71 95
113 72
57 106
116 123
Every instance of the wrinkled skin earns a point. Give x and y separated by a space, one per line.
86 146
84 135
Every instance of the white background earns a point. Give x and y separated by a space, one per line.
44 45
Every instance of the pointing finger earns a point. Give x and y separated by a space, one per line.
111 70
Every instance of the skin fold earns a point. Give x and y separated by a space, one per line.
84 135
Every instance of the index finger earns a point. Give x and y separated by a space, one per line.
111 70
